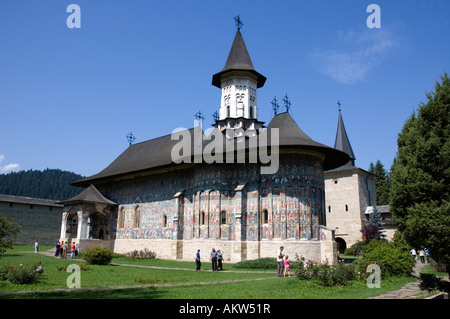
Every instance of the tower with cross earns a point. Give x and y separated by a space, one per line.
238 82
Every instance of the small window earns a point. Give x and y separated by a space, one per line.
265 217
165 220
137 217
335 181
329 209
223 217
11 204
202 218
346 208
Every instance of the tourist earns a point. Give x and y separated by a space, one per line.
72 250
280 261
197 260
427 253
422 256
76 250
305 264
58 244
64 250
286 266
219 259
214 259
413 253
36 246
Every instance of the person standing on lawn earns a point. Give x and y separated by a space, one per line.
280 261
198 263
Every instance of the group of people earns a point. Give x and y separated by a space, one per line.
216 259
283 263
62 248
422 254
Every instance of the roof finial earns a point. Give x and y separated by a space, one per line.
130 138
275 105
339 105
238 22
287 103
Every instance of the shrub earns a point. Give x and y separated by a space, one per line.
260 263
349 251
328 275
19 275
393 260
98 256
430 282
141 254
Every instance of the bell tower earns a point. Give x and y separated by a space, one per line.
238 82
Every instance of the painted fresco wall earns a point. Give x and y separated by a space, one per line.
215 204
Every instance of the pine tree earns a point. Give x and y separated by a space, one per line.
382 182
420 192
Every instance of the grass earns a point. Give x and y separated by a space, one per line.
197 285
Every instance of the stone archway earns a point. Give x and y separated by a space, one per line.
72 224
341 245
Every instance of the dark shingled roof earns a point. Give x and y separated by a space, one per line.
90 194
140 157
292 136
156 153
342 142
238 60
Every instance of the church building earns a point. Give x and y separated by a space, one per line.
229 198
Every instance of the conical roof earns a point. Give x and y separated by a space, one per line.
291 136
238 60
342 142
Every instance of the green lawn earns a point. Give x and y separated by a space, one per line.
198 285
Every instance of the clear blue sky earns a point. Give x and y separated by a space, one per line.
68 97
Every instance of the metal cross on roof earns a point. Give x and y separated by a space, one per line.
199 116
287 103
130 138
275 105
339 105
238 22
216 116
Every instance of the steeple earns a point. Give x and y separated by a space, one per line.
238 60
238 82
342 142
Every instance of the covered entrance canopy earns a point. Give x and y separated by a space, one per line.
89 215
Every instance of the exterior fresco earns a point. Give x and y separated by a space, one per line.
223 202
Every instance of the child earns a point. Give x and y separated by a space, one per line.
286 266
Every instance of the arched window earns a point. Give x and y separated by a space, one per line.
202 218
164 221
228 111
223 217
137 217
122 218
265 217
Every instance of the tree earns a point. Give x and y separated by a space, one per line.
420 192
382 182
8 231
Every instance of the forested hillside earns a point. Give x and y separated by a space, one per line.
49 184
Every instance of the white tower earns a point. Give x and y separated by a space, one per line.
238 82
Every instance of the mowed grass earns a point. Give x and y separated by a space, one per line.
179 282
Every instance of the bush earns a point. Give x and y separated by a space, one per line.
141 254
260 263
19 275
430 282
98 256
328 275
349 252
393 260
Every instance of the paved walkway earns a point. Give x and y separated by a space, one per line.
408 291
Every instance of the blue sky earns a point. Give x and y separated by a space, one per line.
68 97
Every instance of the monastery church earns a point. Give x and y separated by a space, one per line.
145 199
